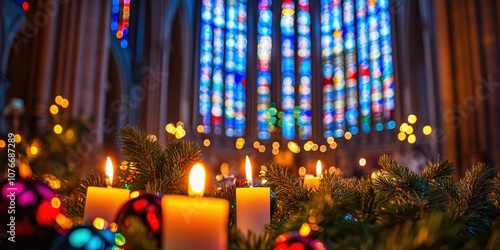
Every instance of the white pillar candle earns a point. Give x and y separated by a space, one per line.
311 181
105 202
253 205
194 222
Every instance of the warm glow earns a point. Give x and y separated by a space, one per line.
58 129
262 148
199 129
302 171
412 139
401 136
64 103
362 162
427 130
17 138
197 180
305 230
330 140
322 148
55 202
412 119
2 144
58 99
100 223
348 135
206 142
248 170
33 150
409 130
403 127
134 194
319 168
54 109
275 151
109 171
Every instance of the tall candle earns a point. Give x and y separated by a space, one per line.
105 202
253 205
194 222
311 181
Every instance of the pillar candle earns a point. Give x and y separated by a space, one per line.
105 202
194 222
253 205
311 181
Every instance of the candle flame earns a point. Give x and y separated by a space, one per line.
319 169
197 180
109 171
248 170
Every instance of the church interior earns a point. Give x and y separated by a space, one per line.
292 82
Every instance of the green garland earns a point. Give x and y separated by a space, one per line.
394 208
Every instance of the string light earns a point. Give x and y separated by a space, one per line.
54 109
362 162
427 130
412 138
412 119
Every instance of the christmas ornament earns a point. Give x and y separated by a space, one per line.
295 241
28 212
86 237
147 208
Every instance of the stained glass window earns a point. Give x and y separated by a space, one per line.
355 92
120 14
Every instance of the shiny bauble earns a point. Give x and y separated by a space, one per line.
28 212
295 241
87 237
147 208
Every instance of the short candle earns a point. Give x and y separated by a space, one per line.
253 205
105 202
194 221
311 181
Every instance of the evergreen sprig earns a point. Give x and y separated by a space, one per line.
158 169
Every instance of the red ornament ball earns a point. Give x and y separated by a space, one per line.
28 212
146 207
295 241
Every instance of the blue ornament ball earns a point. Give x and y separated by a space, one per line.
86 237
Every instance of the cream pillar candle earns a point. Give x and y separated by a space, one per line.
253 205
105 202
194 222
311 181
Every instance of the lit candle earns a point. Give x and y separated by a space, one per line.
105 202
253 205
311 181
194 222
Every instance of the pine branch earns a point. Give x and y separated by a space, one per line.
137 235
287 189
495 195
437 171
249 241
474 190
148 155
157 169
395 178
75 206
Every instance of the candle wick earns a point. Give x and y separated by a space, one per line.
108 181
